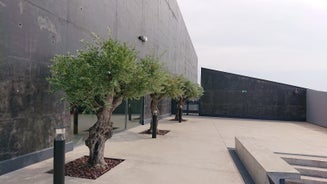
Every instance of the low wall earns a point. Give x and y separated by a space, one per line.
262 164
30 158
317 107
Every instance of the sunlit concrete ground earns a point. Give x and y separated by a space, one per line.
195 151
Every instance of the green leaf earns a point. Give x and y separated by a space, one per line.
103 68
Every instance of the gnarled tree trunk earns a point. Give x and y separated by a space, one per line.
100 132
180 103
154 107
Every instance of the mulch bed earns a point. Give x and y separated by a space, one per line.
177 120
159 132
80 168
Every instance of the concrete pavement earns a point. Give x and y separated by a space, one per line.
195 151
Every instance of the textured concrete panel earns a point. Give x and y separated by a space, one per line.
28 112
316 107
33 31
233 95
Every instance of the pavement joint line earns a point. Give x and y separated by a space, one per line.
221 137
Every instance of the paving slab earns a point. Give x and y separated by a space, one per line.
195 151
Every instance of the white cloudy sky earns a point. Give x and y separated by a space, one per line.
278 40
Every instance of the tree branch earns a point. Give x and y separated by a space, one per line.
161 97
116 102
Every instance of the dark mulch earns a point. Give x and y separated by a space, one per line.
80 168
177 119
159 132
113 128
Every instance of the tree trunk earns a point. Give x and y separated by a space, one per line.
99 133
179 103
154 107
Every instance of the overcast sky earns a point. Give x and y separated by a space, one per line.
279 40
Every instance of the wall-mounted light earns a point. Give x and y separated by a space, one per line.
296 91
244 91
143 38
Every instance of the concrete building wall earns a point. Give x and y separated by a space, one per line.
29 36
317 107
231 95
33 31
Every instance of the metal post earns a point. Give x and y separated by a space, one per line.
126 112
142 111
59 157
75 120
129 112
187 107
154 124
180 114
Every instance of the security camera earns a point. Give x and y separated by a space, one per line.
143 38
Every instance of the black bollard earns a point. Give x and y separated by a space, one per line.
75 120
59 157
180 114
154 124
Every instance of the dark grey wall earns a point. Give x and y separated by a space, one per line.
28 112
231 95
33 31
316 107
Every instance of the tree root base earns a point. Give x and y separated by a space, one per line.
80 168
177 119
159 132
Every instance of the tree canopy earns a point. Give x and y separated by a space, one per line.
103 68
160 83
191 90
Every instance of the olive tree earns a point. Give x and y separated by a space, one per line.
190 90
98 78
160 84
